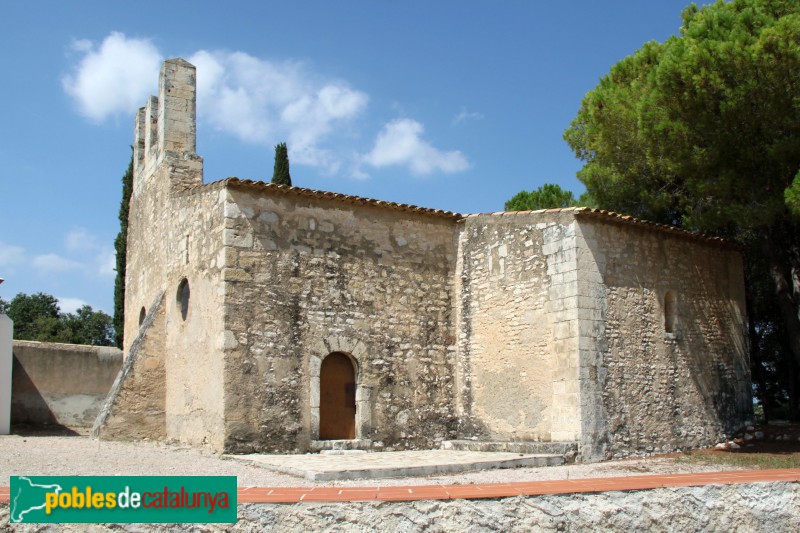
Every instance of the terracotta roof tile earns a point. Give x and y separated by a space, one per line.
613 217
583 212
357 200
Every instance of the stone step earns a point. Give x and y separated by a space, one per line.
342 452
350 465
340 445
566 448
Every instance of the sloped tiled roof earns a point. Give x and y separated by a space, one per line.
346 198
618 218
582 212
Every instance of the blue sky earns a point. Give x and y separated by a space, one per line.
455 105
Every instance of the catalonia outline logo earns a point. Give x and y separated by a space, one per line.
122 499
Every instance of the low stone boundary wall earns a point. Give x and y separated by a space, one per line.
62 384
767 507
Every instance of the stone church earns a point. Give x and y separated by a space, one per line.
281 319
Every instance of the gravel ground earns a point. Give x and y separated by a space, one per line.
80 455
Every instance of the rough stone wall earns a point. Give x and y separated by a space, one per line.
767 507
186 245
136 404
65 384
194 347
176 230
520 326
308 276
517 318
164 162
643 389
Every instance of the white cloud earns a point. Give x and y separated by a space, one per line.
70 305
79 239
11 255
107 263
82 45
256 100
261 102
465 115
113 78
52 263
400 143
358 173
82 241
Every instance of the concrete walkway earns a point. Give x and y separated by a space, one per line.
362 465
499 490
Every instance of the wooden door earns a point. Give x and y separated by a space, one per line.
337 398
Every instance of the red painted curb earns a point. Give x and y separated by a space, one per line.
500 490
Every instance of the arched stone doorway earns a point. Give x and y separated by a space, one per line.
337 398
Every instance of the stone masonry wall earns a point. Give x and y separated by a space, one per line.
65 384
135 407
515 326
164 162
757 507
308 276
186 244
644 389
517 320
176 232
194 345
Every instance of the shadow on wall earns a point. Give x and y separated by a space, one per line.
59 388
674 365
28 406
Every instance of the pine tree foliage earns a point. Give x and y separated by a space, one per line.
548 196
703 131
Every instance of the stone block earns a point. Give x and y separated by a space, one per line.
232 210
226 258
270 218
229 341
235 274
237 238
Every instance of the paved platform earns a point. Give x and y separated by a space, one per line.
500 490
363 465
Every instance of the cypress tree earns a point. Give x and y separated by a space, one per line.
121 247
280 174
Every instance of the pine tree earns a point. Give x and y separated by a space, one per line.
548 196
121 247
702 131
280 175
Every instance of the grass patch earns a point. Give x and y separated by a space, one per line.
742 460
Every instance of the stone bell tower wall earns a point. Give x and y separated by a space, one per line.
175 231
165 131
164 163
